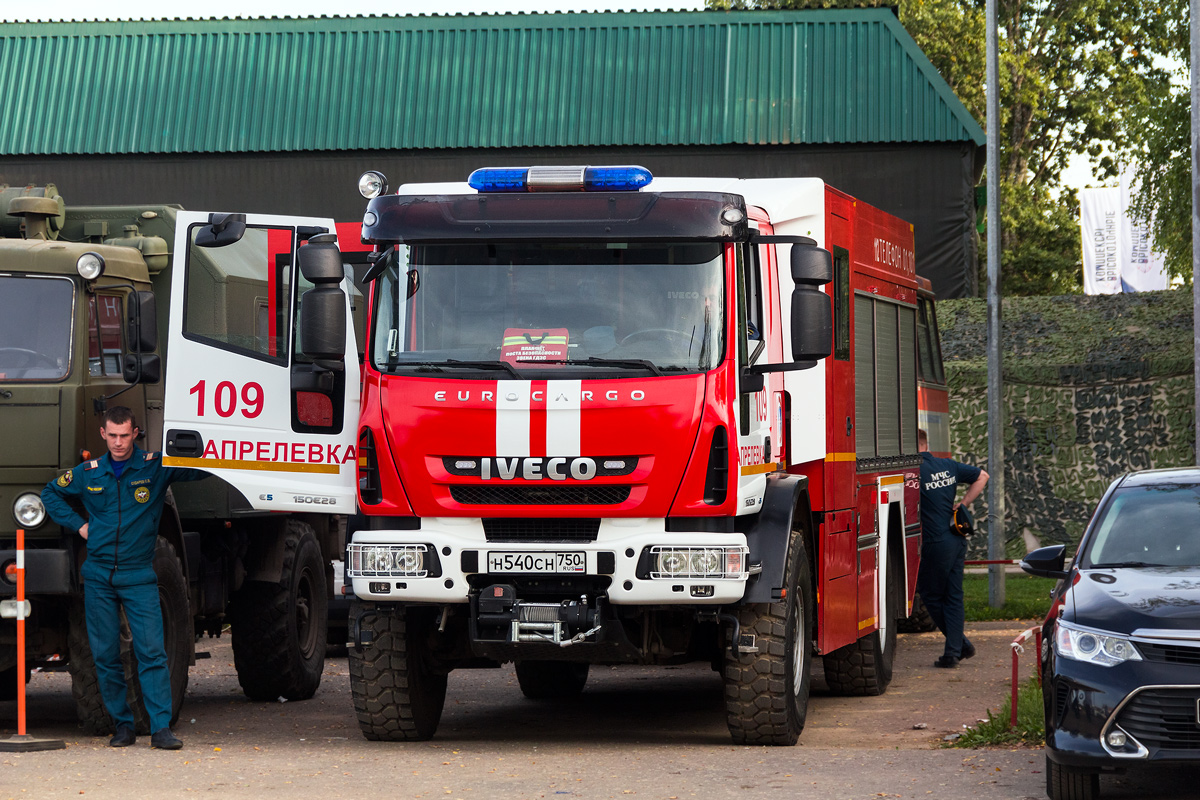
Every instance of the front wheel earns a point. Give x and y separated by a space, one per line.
1071 783
766 693
864 667
397 690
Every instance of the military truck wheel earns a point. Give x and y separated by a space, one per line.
551 680
279 629
397 689
177 641
864 667
917 622
766 693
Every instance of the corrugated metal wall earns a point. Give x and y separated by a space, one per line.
399 83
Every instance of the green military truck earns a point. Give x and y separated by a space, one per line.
85 297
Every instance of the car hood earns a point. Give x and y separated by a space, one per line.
1126 599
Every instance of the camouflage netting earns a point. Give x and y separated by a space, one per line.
1093 387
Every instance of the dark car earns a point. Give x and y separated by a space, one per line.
1121 646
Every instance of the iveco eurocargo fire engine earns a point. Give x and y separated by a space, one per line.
614 419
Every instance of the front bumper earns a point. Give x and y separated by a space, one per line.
461 548
1156 705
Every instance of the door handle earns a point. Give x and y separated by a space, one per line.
187 444
849 426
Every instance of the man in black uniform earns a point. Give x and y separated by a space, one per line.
940 578
123 496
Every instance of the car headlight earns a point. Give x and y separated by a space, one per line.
1093 647
716 562
29 511
90 266
388 561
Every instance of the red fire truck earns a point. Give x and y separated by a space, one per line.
614 419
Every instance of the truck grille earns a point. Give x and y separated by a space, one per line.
1169 653
470 465
541 530
1163 719
540 495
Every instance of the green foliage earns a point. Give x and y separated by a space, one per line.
998 730
1069 71
1025 598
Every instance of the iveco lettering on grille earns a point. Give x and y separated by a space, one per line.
534 469
463 395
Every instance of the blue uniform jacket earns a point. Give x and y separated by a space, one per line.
940 479
122 513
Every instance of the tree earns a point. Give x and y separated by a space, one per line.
1069 69
1159 134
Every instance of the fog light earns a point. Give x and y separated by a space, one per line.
372 184
379 587
1117 739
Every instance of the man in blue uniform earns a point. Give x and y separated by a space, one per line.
123 496
940 578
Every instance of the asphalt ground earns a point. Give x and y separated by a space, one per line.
635 732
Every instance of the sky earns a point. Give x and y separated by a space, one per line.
1078 173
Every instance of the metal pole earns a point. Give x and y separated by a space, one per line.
995 392
1195 60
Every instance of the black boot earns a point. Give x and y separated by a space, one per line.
123 737
165 740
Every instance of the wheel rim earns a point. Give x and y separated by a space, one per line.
798 641
306 630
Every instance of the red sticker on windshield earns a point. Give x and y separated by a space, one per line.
523 345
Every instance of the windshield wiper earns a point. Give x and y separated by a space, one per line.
440 366
1120 564
627 363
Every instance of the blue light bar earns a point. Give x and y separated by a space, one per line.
559 179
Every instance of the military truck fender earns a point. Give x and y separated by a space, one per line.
785 508
171 529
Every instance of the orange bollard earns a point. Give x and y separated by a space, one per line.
22 742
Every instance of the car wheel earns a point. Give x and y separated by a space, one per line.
1071 783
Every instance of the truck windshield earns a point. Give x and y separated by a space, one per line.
520 306
35 328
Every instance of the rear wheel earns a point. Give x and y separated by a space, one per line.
279 629
919 621
1071 783
551 680
766 693
864 667
396 685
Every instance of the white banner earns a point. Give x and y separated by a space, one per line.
1143 269
1117 256
1101 220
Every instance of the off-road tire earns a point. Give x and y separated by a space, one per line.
766 693
864 667
398 694
178 638
279 629
919 621
1071 783
551 680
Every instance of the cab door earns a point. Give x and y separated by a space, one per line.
262 377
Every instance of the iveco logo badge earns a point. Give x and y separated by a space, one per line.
535 469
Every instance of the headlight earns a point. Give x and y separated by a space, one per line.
90 266
29 511
372 184
720 562
1093 647
387 561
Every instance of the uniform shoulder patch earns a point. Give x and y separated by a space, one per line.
64 480
92 464
151 456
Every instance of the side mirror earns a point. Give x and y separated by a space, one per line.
141 368
141 322
380 261
812 312
323 307
1046 562
221 230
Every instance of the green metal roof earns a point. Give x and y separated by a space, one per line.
512 80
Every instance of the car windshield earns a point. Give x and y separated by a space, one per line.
511 307
35 328
1152 525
